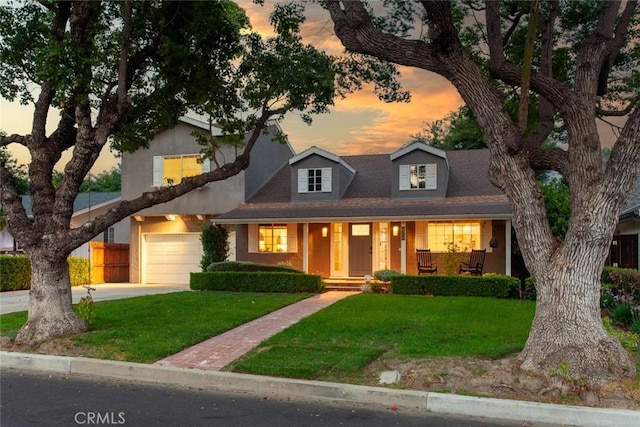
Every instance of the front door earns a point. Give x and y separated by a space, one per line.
360 249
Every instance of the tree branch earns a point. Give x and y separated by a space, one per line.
6 140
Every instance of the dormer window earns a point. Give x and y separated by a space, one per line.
314 180
419 177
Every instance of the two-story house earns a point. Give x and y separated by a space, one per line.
165 239
348 216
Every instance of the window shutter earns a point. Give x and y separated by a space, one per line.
404 177
303 184
292 237
206 164
431 182
252 238
157 171
326 180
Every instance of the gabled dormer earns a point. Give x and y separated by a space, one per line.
419 171
318 175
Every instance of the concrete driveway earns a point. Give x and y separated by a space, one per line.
18 300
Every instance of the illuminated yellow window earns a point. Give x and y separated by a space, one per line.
178 167
464 235
272 238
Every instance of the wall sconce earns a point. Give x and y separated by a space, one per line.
493 242
325 231
170 217
395 230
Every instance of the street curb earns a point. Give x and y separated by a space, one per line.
227 381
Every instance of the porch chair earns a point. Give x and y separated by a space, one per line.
475 264
425 265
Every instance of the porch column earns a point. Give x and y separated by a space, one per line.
507 246
305 247
403 247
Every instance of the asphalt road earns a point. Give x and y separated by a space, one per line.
35 398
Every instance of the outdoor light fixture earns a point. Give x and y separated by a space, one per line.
170 217
325 231
139 218
395 230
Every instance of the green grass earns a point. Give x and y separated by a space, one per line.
145 329
342 339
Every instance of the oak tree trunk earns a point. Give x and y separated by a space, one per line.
567 337
51 313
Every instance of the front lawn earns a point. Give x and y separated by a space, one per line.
148 328
342 339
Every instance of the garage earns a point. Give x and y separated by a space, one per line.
169 258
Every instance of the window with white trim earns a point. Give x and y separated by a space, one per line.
314 180
109 235
272 238
464 235
419 177
170 170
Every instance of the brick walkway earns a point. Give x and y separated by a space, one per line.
217 352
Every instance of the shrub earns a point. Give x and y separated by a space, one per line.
215 245
622 314
15 273
240 281
530 288
626 282
250 267
485 286
384 275
79 272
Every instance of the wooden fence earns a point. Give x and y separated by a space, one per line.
109 262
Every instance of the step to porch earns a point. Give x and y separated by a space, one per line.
344 284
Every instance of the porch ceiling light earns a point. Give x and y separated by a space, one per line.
139 218
201 217
170 217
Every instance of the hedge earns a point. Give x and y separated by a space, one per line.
238 281
250 267
480 286
15 272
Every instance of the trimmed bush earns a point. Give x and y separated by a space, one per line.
497 286
79 273
250 267
15 273
530 288
384 275
271 281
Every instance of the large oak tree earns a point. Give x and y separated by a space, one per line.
582 70
115 73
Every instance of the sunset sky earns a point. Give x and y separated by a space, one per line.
358 124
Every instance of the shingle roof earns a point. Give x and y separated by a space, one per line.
633 202
83 200
369 195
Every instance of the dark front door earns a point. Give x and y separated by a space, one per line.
360 249
624 251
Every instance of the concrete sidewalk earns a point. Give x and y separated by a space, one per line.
19 300
495 409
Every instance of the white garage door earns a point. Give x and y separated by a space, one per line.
169 258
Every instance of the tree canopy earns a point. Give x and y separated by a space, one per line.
116 73
568 64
